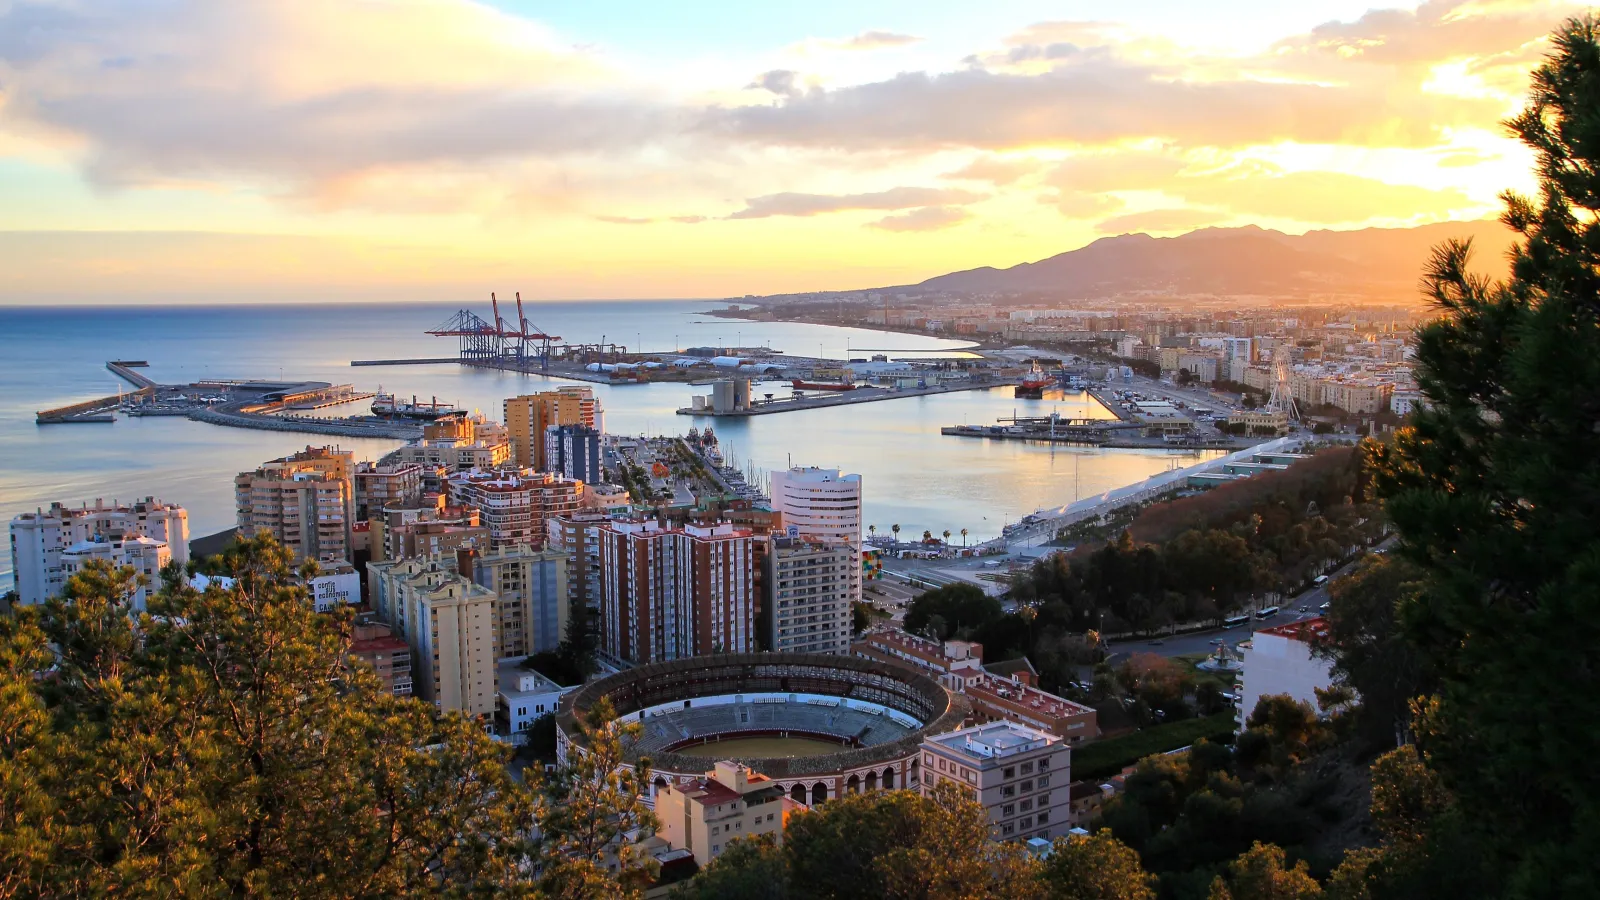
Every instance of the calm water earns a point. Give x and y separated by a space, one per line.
911 474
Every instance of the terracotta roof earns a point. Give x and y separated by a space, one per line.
1306 630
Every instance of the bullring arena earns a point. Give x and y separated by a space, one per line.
816 724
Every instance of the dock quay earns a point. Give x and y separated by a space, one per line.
237 403
842 398
525 366
234 418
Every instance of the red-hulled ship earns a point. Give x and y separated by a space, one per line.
1034 383
800 385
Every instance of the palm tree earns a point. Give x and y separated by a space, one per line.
927 536
947 535
896 529
872 531
963 537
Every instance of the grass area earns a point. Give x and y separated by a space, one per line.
1192 661
1110 756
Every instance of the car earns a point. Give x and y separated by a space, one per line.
1303 609
1157 643
1320 580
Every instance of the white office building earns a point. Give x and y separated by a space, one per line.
1280 660
39 538
144 555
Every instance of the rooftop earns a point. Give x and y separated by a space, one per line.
995 688
1305 630
995 740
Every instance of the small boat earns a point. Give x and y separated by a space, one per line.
388 406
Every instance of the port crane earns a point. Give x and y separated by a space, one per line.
497 342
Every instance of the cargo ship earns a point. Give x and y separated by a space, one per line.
800 385
1034 383
390 407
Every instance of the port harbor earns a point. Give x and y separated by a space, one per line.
1140 423
243 403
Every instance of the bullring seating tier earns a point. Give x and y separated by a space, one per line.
665 730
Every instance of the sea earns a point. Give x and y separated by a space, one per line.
911 474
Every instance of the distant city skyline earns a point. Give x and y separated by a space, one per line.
429 149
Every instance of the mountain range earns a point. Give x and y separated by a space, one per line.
1241 261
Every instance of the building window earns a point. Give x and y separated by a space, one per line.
1044 799
1044 781
1027 805
1010 772
1044 818
1044 765
1008 791
1025 823
1007 830
1027 768
1027 786
1010 809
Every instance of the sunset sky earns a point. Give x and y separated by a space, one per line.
219 150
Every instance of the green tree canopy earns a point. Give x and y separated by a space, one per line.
1496 493
1098 867
223 744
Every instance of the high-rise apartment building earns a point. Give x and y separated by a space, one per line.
529 416
454 444
374 643
306 501
531 602
450 625
822 504
39 538
574 451
806 595
516 505
670 593
1020 775
378 485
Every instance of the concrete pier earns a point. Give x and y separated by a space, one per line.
843 398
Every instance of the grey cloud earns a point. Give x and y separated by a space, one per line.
1094 98
778 81
150 110
792 204
928 218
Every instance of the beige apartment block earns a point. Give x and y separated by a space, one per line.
516 505
531 602
806 595
731 802
530 416
449 623
306 501
1020 775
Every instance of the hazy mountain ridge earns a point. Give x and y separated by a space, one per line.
1246 260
